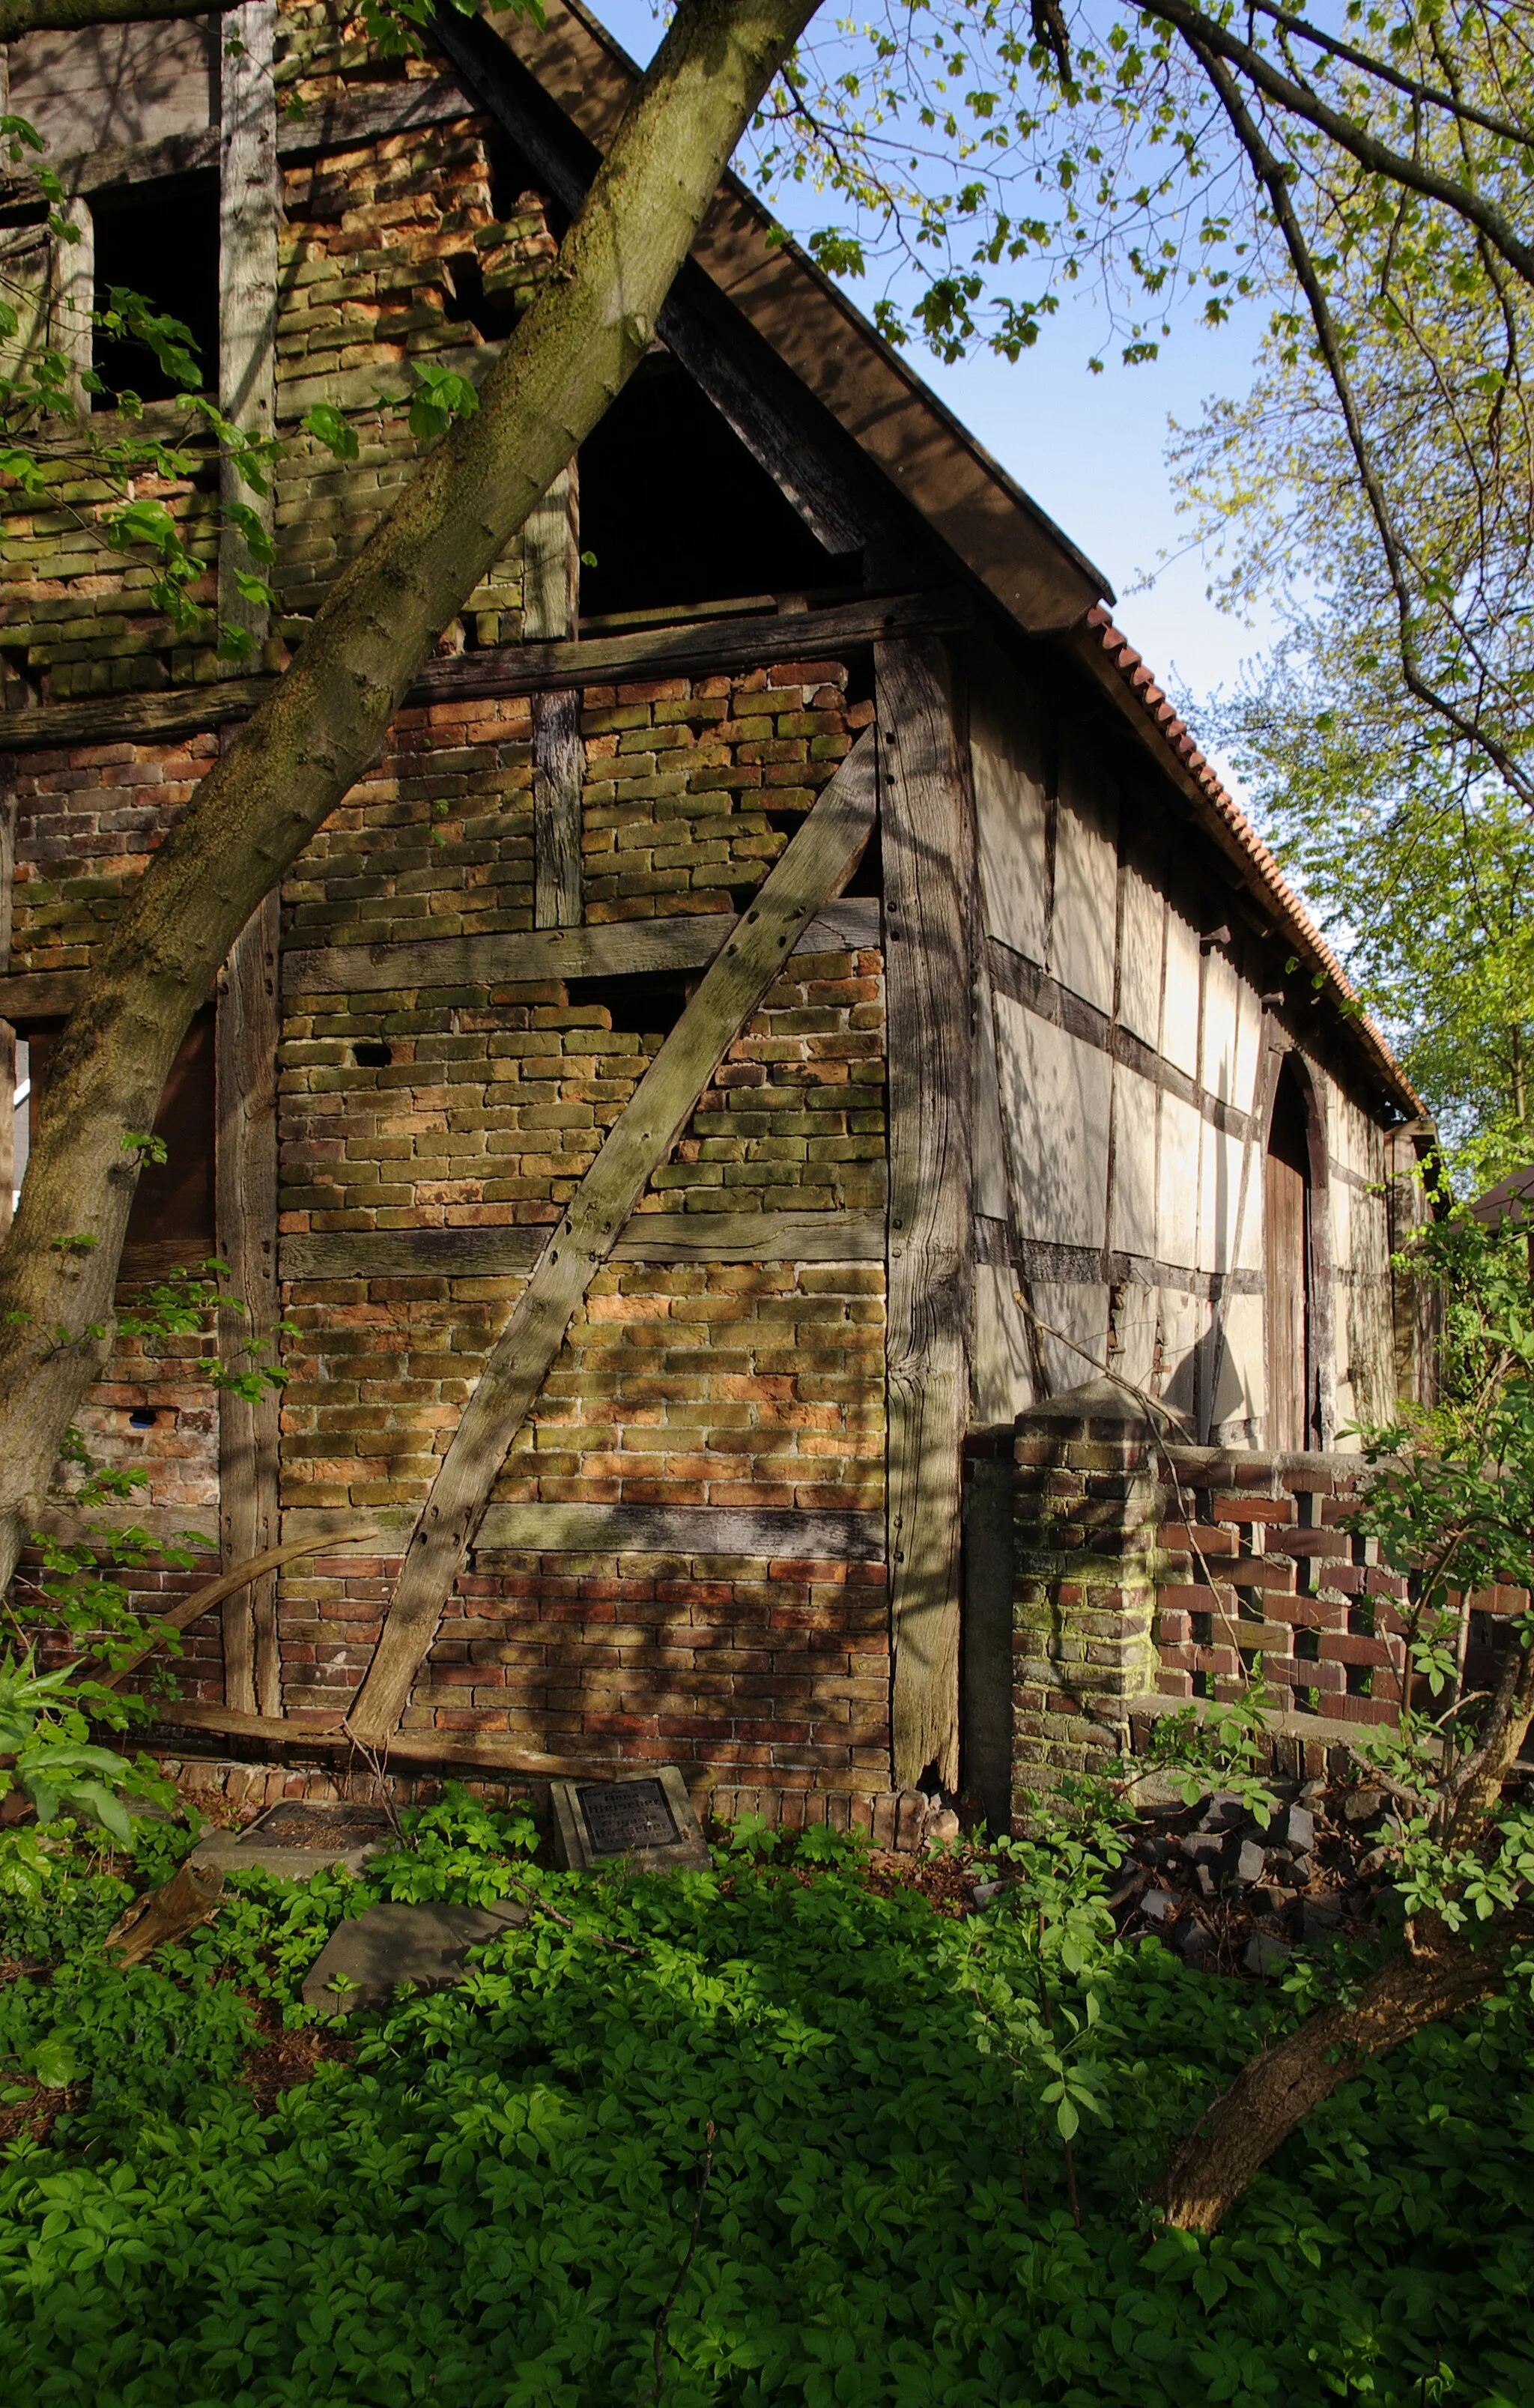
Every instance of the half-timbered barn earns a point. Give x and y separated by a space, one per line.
791 764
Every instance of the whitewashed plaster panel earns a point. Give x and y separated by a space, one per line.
1056 1092
1001 1378
1177 1183
1140 955
1132 1219
1179 999
1083 932
1010 817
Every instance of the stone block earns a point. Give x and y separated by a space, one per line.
423 1947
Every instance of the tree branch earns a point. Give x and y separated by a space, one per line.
1275 183
1451 102
1206 37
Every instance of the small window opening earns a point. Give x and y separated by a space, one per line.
465 302
1202 1685
172 1220
142 1417
372 1054
161 240
649 1004
1308 1646
1202 1626
1361 1620
1360 1680
675 510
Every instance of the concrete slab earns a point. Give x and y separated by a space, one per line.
425 1945
642 1819
296 1839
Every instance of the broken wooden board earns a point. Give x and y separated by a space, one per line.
816 864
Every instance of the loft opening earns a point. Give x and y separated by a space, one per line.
675 510
161 240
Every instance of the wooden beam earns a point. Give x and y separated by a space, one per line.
249 208
927 839
614 949
480 1252
245 1034
685 940
559 768
762 1534
819 859
699 648
301 1737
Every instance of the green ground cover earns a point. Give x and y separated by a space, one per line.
506 2195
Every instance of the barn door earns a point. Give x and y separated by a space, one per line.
1287 1230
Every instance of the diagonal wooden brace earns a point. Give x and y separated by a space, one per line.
814 868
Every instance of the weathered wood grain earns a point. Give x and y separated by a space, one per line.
7 1032
764 1534
685 940
247 1032
650 1238
248 214
817 863
931 910
559 766
301 1738
695 649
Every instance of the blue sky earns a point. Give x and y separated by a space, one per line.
1091 449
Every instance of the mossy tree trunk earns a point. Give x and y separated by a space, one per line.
290 766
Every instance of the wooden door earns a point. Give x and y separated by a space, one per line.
1286 1232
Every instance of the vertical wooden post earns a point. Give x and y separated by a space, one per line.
550 592
930 912
247 1037
249 208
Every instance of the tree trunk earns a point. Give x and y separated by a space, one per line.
1437 1975
259 804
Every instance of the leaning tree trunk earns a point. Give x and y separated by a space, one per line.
291 765
1419 1984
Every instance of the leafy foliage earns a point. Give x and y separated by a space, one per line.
494 2199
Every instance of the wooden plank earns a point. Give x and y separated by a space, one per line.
773 1535
931 909
618 949
41 994
818 861
687 941
559 768
699 648
482 1252
302 1737
245 1186
248 213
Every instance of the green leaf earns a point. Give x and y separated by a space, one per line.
53 2063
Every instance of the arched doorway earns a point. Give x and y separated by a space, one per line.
1287 1265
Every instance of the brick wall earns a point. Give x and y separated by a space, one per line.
1147 1575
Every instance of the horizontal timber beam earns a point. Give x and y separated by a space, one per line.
613 948
697 648
482 1253
764 1534
292 1738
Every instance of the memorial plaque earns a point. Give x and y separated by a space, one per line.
642 1819
623 1815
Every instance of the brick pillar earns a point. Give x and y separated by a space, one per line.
1088 1507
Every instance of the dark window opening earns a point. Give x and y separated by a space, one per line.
372 1054
649 1004
1308 1646
1360 1680
1308 1700
1361 1620
1202 1685
172 1220
465 302
142 1417
1249 1604
675 510
1202 1626
161 241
